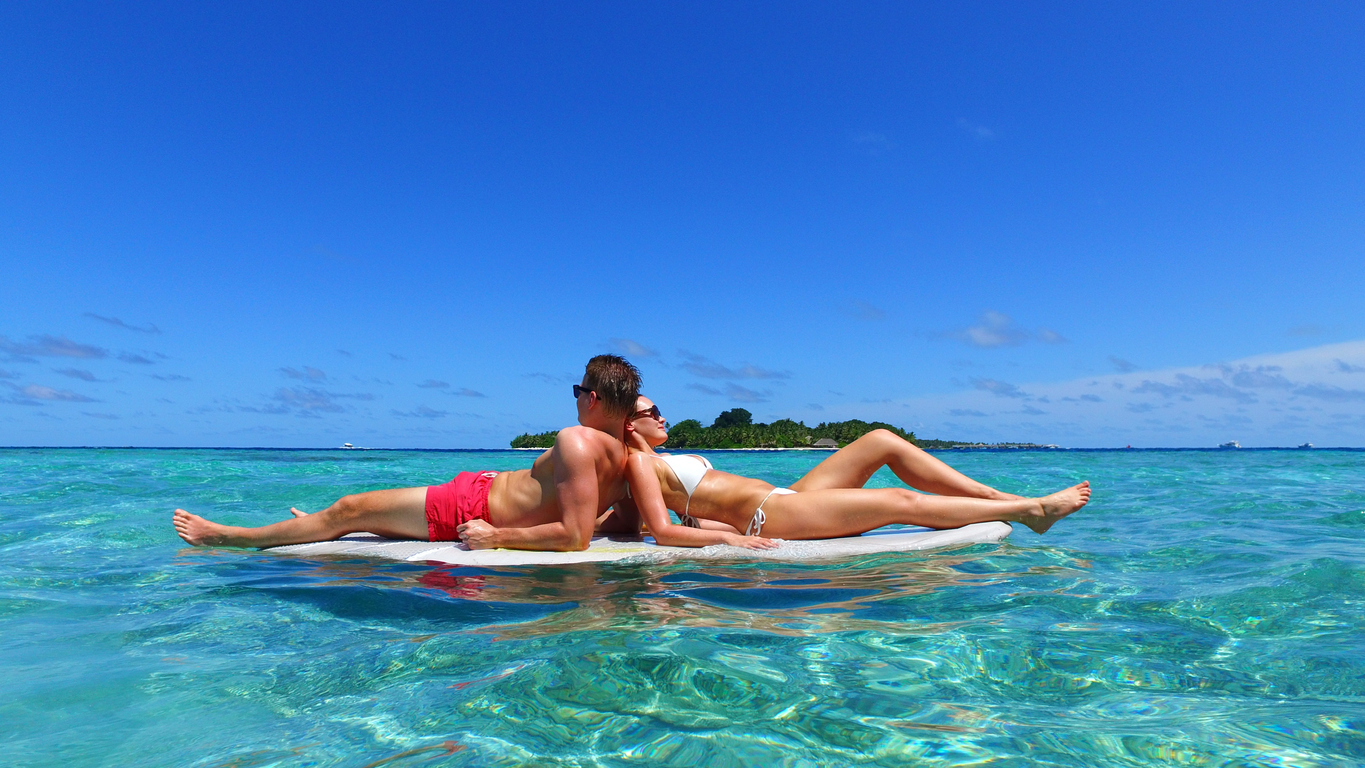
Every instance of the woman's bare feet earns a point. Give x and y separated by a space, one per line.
296 512
199 532
1057 506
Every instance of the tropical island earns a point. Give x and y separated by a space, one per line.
735 429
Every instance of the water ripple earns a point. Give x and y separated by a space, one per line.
1205 609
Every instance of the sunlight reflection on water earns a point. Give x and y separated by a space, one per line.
1202 610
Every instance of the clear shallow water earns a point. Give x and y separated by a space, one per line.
1205 609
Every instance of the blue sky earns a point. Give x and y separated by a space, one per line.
410 225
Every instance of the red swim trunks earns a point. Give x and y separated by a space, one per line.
463 499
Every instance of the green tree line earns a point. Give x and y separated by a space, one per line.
735 428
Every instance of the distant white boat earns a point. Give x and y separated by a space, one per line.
1231 444
1306 445
347 447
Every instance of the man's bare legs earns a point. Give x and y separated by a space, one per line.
855 463
394 514
835 512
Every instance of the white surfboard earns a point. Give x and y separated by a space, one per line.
644 549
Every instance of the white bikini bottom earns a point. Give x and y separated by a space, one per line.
756 525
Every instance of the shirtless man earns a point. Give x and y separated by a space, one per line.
551 506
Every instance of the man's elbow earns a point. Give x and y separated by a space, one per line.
578 537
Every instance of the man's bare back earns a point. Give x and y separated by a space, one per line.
551 506
555 503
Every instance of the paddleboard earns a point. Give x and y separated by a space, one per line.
644 549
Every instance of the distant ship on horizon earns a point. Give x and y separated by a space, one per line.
1231 444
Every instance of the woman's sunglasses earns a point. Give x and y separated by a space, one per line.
652 412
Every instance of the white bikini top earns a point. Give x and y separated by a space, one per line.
690 470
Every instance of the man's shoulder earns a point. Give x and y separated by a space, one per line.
579 437
575 434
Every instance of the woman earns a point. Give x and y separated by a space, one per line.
828 502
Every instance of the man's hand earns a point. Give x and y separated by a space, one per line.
477 534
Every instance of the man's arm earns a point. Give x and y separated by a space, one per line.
622 519
575 477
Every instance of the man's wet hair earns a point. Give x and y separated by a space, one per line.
616 382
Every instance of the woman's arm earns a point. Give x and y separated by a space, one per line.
643 477
716 525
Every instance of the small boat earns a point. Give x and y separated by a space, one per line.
347 447
1231 444
1306 445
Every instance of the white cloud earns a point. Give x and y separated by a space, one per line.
979 131
1311 395
1188 387
862 310
36 392
117 323
1123 366
421 412
51 346
745 395
306 401
308 373
710 369
996 329
1049 336
733 392
77 373
998 388
631 348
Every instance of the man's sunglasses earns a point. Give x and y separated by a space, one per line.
578 390
652 412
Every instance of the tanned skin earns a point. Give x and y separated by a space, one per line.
831 502
555 504
551 506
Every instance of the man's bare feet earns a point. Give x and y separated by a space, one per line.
197 531
1057 506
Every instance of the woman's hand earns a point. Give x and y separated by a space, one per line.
751 542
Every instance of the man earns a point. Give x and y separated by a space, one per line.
551 506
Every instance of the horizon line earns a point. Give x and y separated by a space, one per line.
997 447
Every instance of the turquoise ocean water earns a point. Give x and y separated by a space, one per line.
1207 608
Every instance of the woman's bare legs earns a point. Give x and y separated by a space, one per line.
852 466
835 512
395 514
